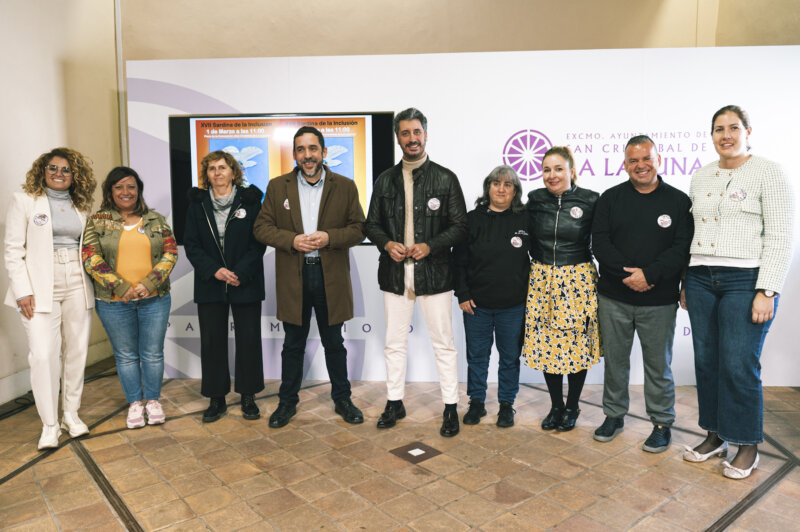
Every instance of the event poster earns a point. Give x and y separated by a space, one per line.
263 145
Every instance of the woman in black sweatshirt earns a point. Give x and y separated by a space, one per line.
490 283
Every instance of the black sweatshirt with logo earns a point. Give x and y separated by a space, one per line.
492 265
648 231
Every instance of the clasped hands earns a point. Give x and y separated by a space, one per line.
314 241
636 281
224 274
398 252
139 291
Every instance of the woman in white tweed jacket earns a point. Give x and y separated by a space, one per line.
740 256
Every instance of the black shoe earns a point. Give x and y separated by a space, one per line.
475 413
552 419
391 414
659 440
281 416
215 410
449 424
609 429
249 407
505 417
568 419
349 411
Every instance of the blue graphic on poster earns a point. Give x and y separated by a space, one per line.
253 157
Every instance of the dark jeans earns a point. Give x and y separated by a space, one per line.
249 370
506 327
294 342
727 351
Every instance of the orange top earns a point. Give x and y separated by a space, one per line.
133 255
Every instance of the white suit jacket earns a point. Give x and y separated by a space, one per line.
29 253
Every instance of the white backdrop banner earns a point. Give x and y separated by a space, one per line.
484 109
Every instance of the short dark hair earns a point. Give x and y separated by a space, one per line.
741 113
640 139
412 113
309 129
115 176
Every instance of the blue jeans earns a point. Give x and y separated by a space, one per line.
727 351
507 325
137 331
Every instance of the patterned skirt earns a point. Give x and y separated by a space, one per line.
561 333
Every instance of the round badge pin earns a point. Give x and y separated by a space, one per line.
576 212
241 213
664 220
40 219
434 204
286 204
516 242
738 195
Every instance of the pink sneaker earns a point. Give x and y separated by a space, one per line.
135 415
155 414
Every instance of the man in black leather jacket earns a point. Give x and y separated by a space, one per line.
416 215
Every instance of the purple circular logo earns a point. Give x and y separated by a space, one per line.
524 152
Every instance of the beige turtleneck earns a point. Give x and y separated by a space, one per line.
408 188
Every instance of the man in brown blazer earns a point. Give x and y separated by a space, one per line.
312 216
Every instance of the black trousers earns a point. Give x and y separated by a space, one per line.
249 367
294 343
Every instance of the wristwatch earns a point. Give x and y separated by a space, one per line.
768 293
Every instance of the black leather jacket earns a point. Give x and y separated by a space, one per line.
561 226
440 220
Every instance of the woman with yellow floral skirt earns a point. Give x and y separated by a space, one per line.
561 334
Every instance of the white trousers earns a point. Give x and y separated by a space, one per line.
58 341
437 309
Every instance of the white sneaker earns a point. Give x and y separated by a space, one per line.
135 415
155 414
49 439
74 425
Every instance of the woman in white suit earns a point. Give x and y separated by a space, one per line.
48 286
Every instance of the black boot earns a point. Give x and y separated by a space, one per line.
553 418
215 410
249 407
568 419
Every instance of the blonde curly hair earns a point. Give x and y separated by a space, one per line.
83 183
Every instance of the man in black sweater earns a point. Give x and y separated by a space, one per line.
641 235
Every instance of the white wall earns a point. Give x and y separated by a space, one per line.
595 109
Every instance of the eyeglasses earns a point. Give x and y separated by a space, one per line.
53 169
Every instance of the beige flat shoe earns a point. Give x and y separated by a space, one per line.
735 472
690 455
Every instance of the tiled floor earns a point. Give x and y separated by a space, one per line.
318 472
